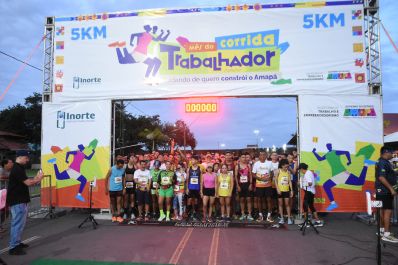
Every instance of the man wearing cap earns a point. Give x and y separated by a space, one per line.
385 180
18 198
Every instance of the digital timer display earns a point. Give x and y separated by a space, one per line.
201 107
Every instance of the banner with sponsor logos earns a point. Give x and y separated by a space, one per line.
76 151
240 50
340 140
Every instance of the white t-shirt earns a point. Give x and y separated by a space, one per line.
142 177
262 168
308 178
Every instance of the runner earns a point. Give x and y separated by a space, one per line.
179 188
165 191
243 181
293 170
114 187
225 184
193 184
307 183
155 175
208 192
142 178
262 170
129 189
274 167
283 183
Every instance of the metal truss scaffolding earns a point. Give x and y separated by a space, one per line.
48 60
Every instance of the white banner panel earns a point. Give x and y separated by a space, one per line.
284 49
76 150
340 139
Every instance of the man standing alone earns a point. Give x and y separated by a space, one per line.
18 198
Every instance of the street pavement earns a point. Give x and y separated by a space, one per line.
343 240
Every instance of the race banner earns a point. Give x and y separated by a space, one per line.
76 152
340 140
240 50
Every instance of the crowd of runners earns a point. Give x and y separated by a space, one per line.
208 187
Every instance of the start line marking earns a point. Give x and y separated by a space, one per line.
26 241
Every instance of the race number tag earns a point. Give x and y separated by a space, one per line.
129 185
165 180
118 180
194 181
285 180
176 188
154 185
224 185
143 180
243 179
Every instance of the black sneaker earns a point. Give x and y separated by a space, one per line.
17 251
22 245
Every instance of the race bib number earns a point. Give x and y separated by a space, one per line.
285 181
224 185
118 180
176 188
143 181
154 185
243 179
165 180
129 185
194 181
179 179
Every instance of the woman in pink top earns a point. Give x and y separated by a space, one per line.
208 191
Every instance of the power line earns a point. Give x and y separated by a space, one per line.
21 61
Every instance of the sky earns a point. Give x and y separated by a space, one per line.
23 25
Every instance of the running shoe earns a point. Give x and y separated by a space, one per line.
132 222
289 221
114 219
381 233
228 219
332 206
269 219
242 217
281 221
161 218
250 218
260 218
146 219
124 216
119 219
390 238
132 216
167 219
80 198
318 223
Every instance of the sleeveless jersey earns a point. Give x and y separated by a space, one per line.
283 181
194 178
116 179
224 185
155 178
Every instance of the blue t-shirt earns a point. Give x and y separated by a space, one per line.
116 179
384 169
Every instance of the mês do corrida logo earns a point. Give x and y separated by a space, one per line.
246 52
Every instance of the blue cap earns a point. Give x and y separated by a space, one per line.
22 153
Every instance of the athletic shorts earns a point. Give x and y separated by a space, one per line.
211 192
387 200
130 191
266 192
168 193
143 197
244 191
284 194
274 193
115 194
194 194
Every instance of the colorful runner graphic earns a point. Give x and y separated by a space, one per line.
340 175
73 172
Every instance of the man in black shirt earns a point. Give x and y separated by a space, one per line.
385 180
18 198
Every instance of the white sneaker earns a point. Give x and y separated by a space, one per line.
167 219
390 238
289 221
132 216
269 219
132 222
161 218
381 233
318 223
281 220
124 216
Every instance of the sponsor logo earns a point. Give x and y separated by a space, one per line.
344 75
323 112
59 74
359 62
65 117
59 59
359 111
357 31
60 31
358 47
359 77
356 14
58 88
59 45
83 81
312 77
